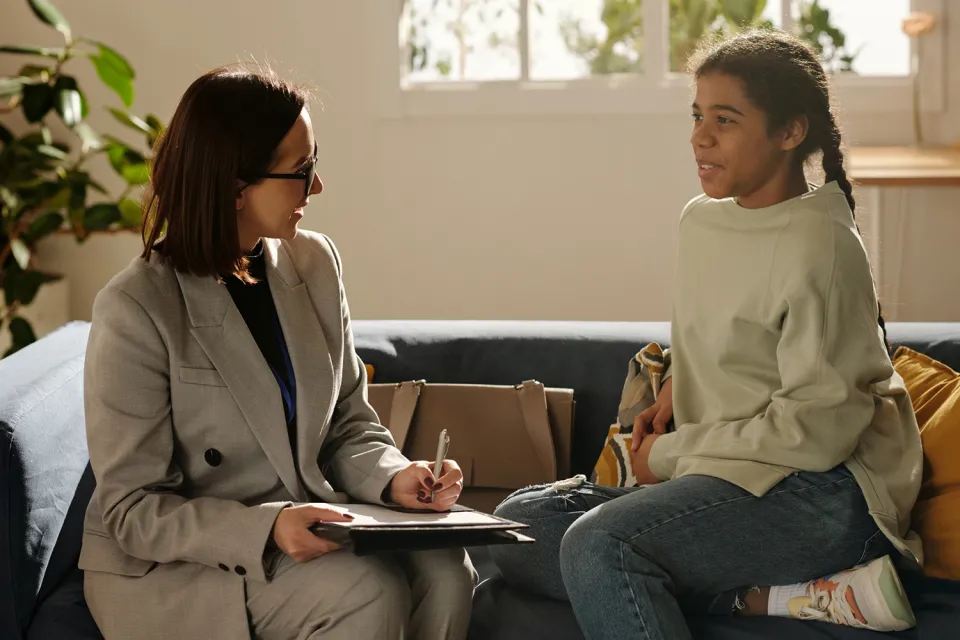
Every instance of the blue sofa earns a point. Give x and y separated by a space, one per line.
45 481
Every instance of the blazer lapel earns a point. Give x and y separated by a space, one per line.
309 355
223 335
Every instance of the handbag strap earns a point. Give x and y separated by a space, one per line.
402 408
533 405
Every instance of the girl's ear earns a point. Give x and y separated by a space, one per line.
795 133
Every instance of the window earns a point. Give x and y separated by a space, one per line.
462 40
587 47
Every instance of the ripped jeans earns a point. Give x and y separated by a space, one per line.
632 562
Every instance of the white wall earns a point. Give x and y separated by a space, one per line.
470 217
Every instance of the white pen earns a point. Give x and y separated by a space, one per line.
443 444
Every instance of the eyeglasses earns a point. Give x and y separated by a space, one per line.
307 174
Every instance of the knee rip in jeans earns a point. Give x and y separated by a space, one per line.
569 484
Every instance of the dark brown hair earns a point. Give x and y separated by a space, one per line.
226 129
782 76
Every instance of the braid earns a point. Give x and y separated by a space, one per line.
833 171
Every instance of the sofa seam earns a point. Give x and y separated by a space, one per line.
16 416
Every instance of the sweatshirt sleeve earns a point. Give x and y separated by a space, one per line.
829 355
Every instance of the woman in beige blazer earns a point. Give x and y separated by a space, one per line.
225 405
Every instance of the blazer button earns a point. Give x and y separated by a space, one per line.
213 457
223 567
240 571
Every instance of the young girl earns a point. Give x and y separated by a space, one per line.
797 453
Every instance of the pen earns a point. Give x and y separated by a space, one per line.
443 444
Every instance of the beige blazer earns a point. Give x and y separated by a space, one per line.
188 439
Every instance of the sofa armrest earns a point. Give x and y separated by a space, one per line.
43 453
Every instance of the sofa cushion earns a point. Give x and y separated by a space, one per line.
935 392
64 614
43 453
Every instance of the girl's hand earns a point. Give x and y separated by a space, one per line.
654 420
641 460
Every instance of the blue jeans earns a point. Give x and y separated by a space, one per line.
633 561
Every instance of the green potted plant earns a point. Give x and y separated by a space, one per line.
45 185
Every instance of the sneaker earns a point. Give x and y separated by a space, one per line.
867 597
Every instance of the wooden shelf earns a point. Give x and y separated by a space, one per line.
904 166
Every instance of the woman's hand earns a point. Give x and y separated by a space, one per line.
291 531
412 487
640 460
655 418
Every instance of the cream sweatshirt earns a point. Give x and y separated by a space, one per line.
778 362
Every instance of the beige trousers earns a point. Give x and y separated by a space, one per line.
424 595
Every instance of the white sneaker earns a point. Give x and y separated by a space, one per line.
867 597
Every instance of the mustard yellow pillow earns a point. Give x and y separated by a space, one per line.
369 368
934 390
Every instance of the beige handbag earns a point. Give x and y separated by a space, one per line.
504 438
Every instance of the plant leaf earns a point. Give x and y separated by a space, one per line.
41 194
68 100
8 198
137 174
37 101
5 136
21 334
130 120
46 52
22 286
51 15
130 214
21 252
156 129
89 140
35 71
44 226
154 123
101 216
10 86
78 181
115 72
128 163
52 152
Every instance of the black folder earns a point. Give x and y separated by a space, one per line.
364 539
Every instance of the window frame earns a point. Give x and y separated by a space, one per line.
656 91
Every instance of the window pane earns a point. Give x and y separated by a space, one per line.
577 38
863 36
460 40
693 20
